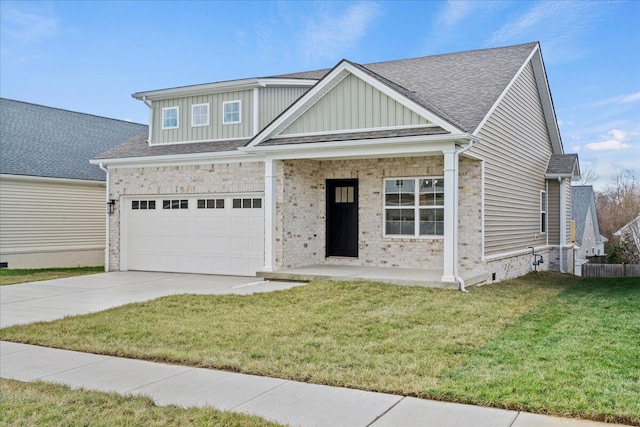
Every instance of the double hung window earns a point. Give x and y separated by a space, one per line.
414 207
170 118
231 112
200 115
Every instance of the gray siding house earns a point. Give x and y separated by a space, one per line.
52 201
588 239
451 163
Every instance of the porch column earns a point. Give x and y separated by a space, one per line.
269 215
450 215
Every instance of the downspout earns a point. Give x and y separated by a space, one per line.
456 155
563 221
106 249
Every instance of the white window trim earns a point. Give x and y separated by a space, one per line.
193 115
235 101
416 206
177 117
543 197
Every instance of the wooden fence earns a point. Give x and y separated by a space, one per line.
610 270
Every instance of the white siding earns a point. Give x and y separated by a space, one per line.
215 130
50 216
274 100
516 147
353 104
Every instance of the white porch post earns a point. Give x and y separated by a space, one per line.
450 222
269 215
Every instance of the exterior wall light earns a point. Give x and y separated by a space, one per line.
111 206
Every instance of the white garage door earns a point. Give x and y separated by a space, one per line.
209 235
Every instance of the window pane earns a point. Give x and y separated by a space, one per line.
407 199
152 204
143 204
175 204
237 203
345 194
338 198
201 204
210 203
184 204
431 222
257 203
246 203
438 184
392 200
400 221
166 204
350 194
135 204
219 203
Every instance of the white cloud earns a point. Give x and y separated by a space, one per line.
622 99
615 141
558 25
329 34
29 26
455 12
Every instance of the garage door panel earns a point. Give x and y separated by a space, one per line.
211 241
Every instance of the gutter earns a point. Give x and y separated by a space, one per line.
563 222
106 248
149 104
455 215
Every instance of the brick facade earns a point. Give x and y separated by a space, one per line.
301 213
172 180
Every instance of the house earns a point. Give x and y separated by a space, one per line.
52 201
588 239
451 163
630 232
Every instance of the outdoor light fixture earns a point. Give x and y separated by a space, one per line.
111 205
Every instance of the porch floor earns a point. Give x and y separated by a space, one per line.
430 278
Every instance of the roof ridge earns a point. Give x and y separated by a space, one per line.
71 111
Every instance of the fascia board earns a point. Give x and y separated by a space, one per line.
505 91
547 102
178 159
338 73
218 87
347 149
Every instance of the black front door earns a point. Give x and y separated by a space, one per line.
342 217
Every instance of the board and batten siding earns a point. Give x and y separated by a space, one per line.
51 223
215 130
272 101
516 148
353 104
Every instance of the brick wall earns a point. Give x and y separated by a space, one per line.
301 213
166 180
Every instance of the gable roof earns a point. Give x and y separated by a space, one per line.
50 142
581 200
460 87
563 166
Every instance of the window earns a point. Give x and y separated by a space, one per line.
247 203
170 118
210 203
200 115
543 211
143 204
231 112
175 204
414 207
345 194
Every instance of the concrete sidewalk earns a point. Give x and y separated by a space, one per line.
287 402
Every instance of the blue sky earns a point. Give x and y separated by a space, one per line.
91 56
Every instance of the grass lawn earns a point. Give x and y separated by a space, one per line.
544 343
11 277
40 404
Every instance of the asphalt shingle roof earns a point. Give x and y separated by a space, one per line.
562 164
461 87
138 147
581 198
36 140
346 136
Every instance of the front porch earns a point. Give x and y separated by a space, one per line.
430 278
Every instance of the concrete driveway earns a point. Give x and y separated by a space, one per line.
54 299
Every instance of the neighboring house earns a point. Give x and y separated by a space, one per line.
450 162
630 232
52 201
588 239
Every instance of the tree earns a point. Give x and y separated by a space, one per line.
587 177
617 206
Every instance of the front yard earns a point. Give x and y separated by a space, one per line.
543 343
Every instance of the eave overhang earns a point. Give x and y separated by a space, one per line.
231 85
177 159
